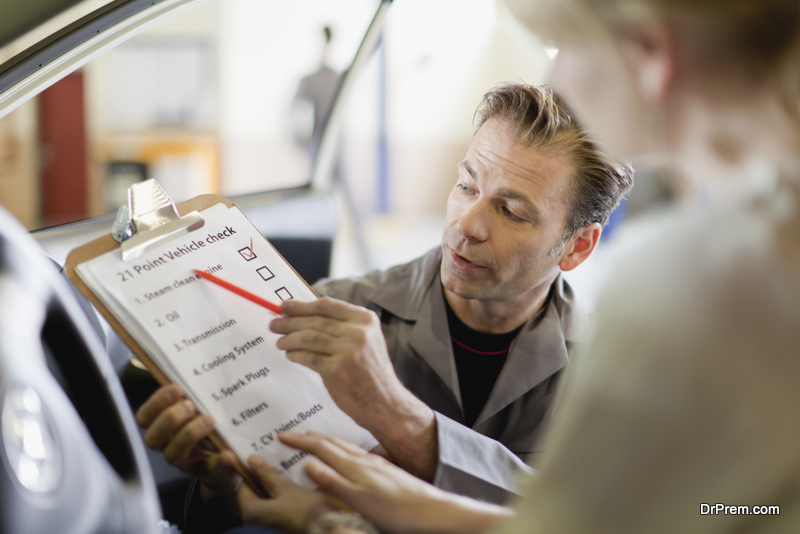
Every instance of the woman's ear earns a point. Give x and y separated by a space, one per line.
580 246
648 44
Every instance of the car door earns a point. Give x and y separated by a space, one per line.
96 464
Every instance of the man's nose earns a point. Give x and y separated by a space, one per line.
473 223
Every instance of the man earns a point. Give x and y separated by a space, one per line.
452 360
313 101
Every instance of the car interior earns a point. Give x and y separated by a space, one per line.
73 459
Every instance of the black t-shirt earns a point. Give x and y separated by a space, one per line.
479 359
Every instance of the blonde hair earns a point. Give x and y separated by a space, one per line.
742 43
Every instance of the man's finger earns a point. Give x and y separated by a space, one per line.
313 360
182 445
168 423
310 340
159 401
287 325
327 307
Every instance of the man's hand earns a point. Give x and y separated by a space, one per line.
174 427
345 345
388 496
291 509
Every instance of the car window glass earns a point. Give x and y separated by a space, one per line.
223 97
49 27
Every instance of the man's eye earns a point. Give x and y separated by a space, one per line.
510 215
464 188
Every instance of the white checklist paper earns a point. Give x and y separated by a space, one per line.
217 345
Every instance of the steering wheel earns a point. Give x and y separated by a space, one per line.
71 459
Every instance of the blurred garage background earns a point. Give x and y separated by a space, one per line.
210 101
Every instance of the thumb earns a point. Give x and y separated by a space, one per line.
256 510
273 481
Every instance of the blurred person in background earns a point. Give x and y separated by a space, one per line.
687 397
313 101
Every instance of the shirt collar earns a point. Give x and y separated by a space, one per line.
406 287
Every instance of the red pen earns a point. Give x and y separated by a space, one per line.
239 291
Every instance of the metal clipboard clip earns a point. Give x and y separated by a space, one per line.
149 219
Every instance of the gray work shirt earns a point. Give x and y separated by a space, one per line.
484 461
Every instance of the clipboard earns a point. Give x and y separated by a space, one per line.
157 220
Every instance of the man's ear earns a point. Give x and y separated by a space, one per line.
648 44
580 246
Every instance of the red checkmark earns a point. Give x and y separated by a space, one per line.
251 247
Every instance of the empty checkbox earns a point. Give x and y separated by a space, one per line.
283 294
265 273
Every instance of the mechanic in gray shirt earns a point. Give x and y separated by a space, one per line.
489 392
531 199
